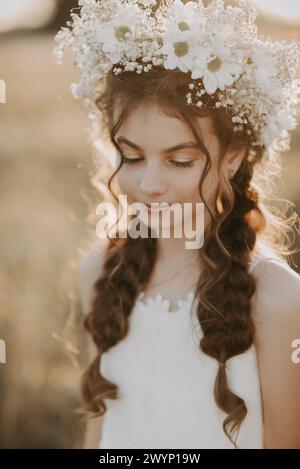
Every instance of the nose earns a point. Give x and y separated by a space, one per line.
152 182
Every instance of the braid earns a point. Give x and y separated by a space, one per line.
128 264
225 311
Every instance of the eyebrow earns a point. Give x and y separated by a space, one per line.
166 150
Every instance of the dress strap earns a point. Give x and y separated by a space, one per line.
256 259
264 253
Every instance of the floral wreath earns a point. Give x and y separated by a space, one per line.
252 77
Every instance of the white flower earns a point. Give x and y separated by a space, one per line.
264 70
180 48
187 17
115 36
279 124
217 69
264 63
282 121
221 32
262 106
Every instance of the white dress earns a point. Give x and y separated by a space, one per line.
166 383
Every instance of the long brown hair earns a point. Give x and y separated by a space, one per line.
225 286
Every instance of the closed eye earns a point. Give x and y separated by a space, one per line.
178 164
130 160
183 164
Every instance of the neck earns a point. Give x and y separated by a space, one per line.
176 251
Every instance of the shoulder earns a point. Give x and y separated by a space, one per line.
89 269
278 292
276 315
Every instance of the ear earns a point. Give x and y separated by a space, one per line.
234 158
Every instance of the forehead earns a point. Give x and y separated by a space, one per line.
150 128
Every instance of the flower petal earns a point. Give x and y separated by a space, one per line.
210 82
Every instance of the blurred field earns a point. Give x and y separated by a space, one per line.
44 182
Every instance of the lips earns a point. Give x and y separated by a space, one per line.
158 206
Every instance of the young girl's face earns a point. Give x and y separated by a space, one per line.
161 160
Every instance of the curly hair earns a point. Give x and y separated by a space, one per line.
225 286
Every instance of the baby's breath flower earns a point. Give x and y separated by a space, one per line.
218 46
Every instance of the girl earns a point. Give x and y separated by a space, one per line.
191 348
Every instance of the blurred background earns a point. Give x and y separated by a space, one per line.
45 169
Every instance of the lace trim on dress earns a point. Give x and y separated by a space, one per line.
158 304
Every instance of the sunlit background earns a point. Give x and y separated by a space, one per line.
44 204
26 13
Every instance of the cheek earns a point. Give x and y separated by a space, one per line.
189 188
188 185
126 181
